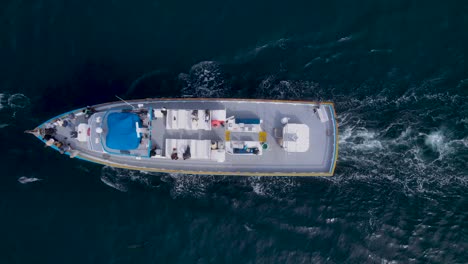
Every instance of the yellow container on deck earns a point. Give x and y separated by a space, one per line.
262 136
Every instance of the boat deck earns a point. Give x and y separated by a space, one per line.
319 159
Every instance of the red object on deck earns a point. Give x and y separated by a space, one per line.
216 123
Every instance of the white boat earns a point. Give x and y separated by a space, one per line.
250 137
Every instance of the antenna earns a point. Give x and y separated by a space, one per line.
125 101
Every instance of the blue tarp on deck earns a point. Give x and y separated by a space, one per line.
122 131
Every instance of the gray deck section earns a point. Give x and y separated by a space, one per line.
318 159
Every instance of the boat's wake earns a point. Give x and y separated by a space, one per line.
402 153
198 186
13 103
190 185
205 79
273 88
183 185
123 180
274 187
416 141
414 151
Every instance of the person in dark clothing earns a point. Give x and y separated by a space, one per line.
49 131
88 111
187 154
164 111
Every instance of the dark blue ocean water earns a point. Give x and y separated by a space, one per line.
397 71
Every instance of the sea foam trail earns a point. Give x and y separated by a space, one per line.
415 161
383 137
191 185
18 100
14 102
205 79
122 180
410 151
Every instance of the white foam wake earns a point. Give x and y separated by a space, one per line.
205 79
14 102
274 187
18 100
273 88
122 180
191 185
408 151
